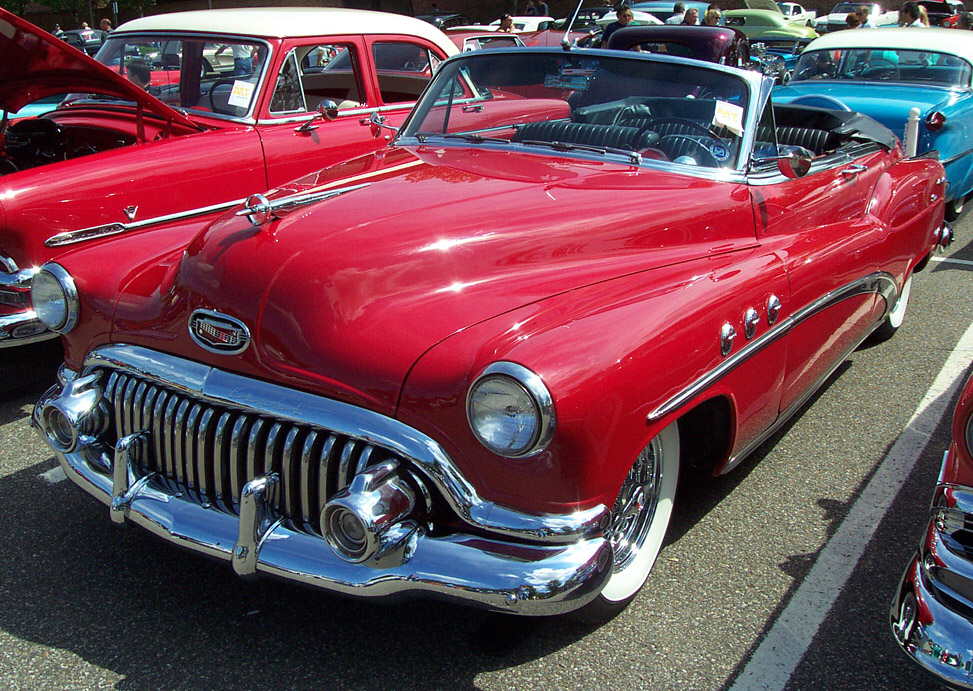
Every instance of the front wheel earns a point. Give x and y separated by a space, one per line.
639 520
895 318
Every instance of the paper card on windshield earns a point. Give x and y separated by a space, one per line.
729 116
241 94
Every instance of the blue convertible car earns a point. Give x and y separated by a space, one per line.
885 73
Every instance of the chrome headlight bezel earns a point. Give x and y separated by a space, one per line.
968 435
538 406
61 289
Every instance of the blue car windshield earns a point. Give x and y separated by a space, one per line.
884 65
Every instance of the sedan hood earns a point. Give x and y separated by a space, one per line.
889 103
34 64
344 295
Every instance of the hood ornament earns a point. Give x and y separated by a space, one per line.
130 211
218 333
259 210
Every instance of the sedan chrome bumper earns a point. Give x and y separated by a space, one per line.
522 564
932 613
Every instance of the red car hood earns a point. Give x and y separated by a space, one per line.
343 296
34 64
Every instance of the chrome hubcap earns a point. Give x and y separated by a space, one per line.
635 507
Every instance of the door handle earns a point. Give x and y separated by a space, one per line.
854 169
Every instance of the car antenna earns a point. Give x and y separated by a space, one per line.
565 43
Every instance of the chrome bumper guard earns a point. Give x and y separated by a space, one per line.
532 565
932 613
22 327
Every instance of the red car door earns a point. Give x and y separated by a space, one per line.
831 248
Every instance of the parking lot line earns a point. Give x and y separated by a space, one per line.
785 644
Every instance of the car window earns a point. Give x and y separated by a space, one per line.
872 65
190 73
313 74
403 69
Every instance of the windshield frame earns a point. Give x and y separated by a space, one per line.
807 58
756 85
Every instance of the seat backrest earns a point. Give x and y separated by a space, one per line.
614 136
815 140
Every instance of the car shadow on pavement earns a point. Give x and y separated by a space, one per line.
29 367
129 605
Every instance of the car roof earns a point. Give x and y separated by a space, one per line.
282 22
934 38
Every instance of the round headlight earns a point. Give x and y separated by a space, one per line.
54 298
510 410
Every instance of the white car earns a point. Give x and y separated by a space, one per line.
529 23
835 20
796 13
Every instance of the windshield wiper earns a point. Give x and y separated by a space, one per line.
633 156
472 138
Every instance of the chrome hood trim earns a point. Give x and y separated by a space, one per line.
72 237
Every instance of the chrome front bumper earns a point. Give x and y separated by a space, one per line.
22 326
932 613
523 564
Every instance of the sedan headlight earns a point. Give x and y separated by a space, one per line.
510 410
54 298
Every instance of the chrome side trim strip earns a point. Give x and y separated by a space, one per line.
233 391
8 264
95 232
17 279
953 159
342 114
879 282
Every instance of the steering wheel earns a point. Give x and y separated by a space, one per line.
882 66
695 126
670 143
212 101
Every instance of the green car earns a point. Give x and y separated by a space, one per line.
763 25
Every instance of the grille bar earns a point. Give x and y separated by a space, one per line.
210 451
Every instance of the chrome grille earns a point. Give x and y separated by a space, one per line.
211 451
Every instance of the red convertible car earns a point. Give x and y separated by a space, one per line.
475 363
932 611
213 106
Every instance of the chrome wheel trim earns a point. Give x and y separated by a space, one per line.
897 315
641 514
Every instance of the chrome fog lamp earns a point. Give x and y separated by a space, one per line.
65 414
54 298
371 519
510 410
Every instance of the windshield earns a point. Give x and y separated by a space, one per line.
882 65
848 7
215 76
628 107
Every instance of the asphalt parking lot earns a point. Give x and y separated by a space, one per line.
85 604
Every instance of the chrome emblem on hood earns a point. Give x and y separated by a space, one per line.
218 333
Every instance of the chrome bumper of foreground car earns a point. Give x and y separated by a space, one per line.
525 564
932 613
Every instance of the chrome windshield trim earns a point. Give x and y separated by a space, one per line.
879 282
244 393
95 232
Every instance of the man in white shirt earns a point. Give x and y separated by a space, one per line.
680 14
863 12
909 15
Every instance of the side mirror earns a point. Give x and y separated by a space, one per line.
794 165
327 110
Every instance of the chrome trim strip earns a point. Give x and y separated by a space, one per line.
258 209
233 391
342 114
16 279
95 232
11 322
953 159
8 264
878 282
